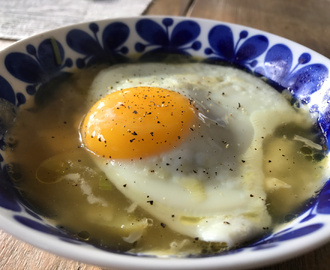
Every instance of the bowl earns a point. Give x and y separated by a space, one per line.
30 65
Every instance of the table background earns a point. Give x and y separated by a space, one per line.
304 21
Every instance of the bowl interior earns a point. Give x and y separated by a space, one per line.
30 66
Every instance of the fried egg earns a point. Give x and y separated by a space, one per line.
184 142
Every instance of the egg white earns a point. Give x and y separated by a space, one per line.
210 187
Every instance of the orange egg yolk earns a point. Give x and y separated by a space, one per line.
137 122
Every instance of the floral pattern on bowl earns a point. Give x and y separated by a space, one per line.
30 66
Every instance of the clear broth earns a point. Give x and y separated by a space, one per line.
91 209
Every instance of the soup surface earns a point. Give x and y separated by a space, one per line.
166 159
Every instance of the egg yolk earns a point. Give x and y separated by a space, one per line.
137 122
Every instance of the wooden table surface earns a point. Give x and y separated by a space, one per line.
304 21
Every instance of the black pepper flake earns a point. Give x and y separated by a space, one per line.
163 225
251 195
196 238
173 216
226 222
79 160
132 140
151 202
125 185
243 161
269 161
135 112
151 133
134 133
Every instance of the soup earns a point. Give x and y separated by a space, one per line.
166 159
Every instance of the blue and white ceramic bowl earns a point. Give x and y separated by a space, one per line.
27 67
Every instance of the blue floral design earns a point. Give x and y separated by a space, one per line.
167 38
286 235
322 107
108 51
7 93
38 226
301 81
39 68
8 197
223 47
